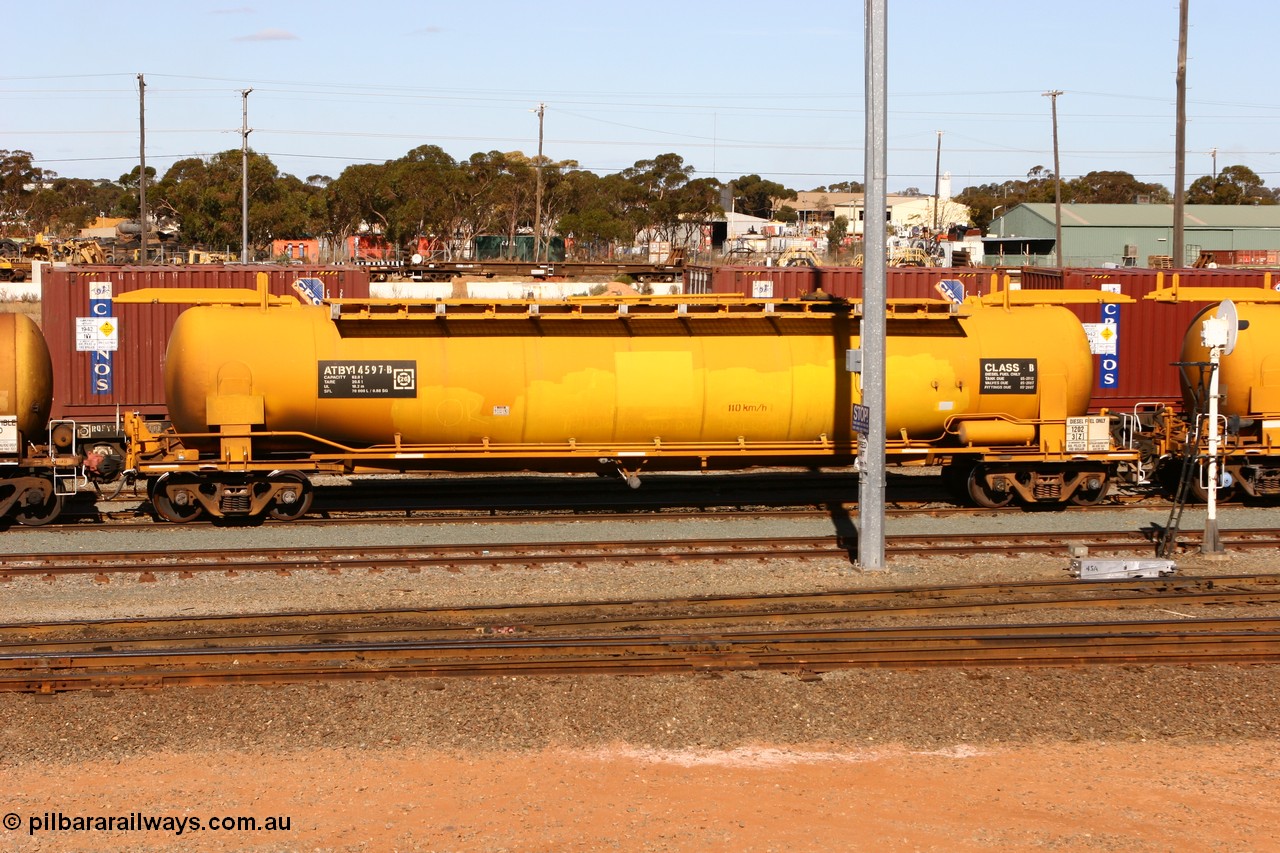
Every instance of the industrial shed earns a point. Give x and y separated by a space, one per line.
1135 235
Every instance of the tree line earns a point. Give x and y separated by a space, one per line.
1233 185
427 193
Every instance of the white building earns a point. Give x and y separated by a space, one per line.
910 213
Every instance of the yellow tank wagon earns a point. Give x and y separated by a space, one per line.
265 391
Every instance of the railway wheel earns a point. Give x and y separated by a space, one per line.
293 501
170 508
1226 489
44 510
1091 493
983 494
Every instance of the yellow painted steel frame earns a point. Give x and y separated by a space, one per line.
1175 293
1249 457
153 453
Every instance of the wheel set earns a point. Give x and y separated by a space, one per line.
181 497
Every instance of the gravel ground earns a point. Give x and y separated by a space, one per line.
945 706
1040 715
924 710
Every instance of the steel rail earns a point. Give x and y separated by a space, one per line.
285 560
171 644
934 602
1182 641
504 645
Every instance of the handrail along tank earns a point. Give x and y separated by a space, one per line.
665 382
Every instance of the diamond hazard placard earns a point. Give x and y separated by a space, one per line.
97 334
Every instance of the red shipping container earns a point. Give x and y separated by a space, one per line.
135 372
1150 334
845 282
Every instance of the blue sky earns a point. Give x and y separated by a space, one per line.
735 88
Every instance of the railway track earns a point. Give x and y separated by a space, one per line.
810 633
951 600
146 564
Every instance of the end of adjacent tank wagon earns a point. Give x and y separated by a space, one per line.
36 475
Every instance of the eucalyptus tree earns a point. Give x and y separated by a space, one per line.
1233 185
360 198
425 191
204 195
1113 187
498 190
19 176
755 196
65 205
591 211
668 203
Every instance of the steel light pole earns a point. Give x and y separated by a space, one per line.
1057 180
244 176
873 328
537 196
937 183
142 170
1178 250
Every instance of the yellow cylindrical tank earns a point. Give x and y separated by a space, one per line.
26 375
996 432
531 380
1249 378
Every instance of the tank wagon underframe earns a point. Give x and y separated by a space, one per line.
1248 452
237 482
1255 474
240 484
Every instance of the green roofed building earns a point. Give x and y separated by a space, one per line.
1134 235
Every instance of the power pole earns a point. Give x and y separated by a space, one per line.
537 195
1180 142
1213 152
1057 179
142 169
244 176
874 326
937 184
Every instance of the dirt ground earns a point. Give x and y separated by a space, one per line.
1061 797
1132 759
